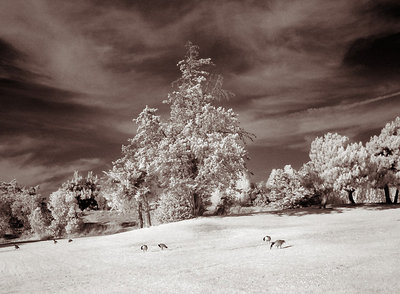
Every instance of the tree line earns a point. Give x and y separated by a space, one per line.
338 168
24 211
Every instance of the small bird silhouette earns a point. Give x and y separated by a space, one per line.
16 246
277 243
144 248
70 240
162 246
55 241
267 239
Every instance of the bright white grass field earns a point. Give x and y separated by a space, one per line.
341 250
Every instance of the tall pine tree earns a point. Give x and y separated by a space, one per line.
199 149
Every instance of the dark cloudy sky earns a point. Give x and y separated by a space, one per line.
73 74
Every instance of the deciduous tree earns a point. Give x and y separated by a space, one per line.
384 154
320 173
67 203
336 165
350 169
199 149
132 176
17 203
286 188
204 147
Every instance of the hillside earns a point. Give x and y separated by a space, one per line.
352 250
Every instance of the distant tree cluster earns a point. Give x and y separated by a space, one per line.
25 211
70 200
285 186
21 209
338 169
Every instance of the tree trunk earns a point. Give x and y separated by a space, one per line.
324 200
351 199
147 211
197 206
148 218
387 194
396 197
140 216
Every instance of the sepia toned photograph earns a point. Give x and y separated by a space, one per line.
199 146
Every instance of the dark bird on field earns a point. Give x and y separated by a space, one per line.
70 240
162 246
144 248
267 239
277 243
16 246
55 241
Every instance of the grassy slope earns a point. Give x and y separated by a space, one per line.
341 250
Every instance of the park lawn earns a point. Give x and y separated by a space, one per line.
337 250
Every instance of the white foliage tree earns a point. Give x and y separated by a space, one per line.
204 147
336 165
285 187
131 176
67 203
225 199
384 154
17 203
320 173
312 181
243 187
350 169
200 149
40 220
65 212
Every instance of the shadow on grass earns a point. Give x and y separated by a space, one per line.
378 206
207 228
11 244
8 250
306 211
331 209
288 212
88 229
